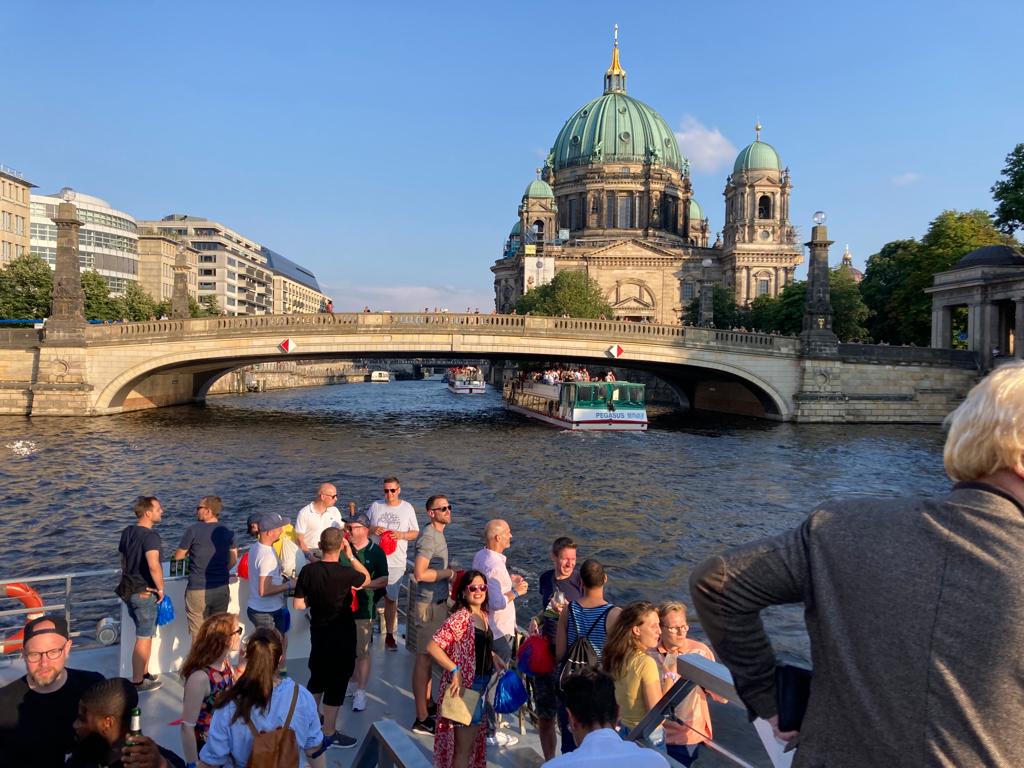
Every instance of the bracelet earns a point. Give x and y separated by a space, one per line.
454 669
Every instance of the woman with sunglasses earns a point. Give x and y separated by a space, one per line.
463 647
207 671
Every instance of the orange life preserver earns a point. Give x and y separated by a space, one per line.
30 599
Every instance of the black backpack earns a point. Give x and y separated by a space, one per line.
581 655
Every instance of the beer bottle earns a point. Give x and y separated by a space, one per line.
135 728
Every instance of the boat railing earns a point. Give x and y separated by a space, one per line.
388 745
696 671
89 593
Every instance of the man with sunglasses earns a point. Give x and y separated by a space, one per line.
38 710
430 602
393 516
211 551
314 518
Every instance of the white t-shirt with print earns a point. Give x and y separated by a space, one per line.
263 562
401 517
310 524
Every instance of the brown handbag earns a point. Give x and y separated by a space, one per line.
277 748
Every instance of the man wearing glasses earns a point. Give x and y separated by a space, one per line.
314 518
393 516
210 548
38 710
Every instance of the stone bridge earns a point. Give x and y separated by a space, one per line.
110 369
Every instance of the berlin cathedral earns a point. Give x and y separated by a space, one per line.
614 200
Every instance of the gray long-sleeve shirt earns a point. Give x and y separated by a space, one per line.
915 611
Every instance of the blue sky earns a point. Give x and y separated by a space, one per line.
386 145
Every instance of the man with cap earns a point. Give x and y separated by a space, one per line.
268 586
396 519
357 530
38 710
326 588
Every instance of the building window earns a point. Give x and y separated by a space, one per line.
762 287
687 291
625 218
764 207
574 213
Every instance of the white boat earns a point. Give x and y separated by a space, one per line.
466 381
580 405
433 374
380 376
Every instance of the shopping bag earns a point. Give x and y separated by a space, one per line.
164 612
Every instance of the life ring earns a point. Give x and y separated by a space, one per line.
30 599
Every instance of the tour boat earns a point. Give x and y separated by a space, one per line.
580 405
433 374
466 381
380 376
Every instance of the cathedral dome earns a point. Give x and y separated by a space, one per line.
516 230
539 188
696 212
757 156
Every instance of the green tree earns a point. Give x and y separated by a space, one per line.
848 309
136 304
727 313
195 309
1009 193
569 293
162 309
99 305
785 313
897 278
210 307
25 287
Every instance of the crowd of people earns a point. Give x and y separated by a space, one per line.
556 375
895 590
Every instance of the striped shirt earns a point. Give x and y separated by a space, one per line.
580 622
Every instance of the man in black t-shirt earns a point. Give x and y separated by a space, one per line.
210 548
38 710
325 587
140 567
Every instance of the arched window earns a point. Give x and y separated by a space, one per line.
764 207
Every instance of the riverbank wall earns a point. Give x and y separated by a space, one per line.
264 377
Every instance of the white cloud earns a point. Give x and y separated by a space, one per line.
906 179
408 298
707 149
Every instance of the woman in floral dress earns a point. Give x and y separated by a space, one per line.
206 672
463 648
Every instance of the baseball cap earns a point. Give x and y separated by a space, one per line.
267 521
33 628
359 518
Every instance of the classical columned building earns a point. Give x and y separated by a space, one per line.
614 200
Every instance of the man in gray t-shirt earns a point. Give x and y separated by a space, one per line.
430 601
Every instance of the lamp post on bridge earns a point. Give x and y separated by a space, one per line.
67 310
707 296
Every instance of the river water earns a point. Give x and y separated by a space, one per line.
649 506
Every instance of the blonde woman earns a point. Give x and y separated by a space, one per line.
638 683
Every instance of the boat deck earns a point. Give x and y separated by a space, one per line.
388 698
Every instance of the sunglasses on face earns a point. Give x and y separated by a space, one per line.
238 631
446 508
390 490
476 588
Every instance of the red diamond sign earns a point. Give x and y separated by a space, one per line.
615 351
287 346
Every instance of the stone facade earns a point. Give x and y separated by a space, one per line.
158 255
15 216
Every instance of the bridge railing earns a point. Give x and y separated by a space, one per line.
389 322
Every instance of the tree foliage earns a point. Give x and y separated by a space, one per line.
99 304
896 277
726 312
569 293
209 305
136 304
25 287
785 313
1009 193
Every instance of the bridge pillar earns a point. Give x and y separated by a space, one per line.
67 312
179 293
817 337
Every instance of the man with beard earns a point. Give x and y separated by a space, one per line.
37 711
102 728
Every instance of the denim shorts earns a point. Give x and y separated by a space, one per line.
142 609
479 685
277 619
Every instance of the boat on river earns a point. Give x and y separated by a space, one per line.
580 405
466 381
380 377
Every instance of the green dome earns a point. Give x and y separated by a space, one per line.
538 188
696 212
757 156
516 230
615 128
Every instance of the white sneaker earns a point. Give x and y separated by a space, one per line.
359 701
351 690
502 739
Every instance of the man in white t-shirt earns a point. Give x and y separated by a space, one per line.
267 585
315 518
397 517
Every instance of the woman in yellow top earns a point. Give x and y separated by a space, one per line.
638 683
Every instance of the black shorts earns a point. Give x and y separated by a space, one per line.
332 659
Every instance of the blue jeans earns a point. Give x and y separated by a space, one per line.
277 619
681 753
479 685
142 609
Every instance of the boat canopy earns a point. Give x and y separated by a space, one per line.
597 394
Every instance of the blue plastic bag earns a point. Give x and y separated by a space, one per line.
164 612
509 693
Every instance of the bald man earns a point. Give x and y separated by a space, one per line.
314 518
